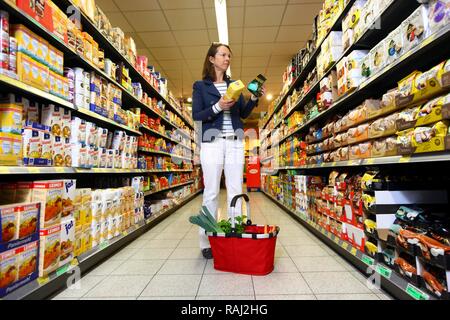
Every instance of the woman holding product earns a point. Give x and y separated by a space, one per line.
222 145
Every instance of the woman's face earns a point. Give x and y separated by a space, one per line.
222 59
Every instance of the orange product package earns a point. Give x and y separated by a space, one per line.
27 259
50 250
49 194
28 219
9 218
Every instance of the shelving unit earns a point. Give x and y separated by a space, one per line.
389 280
47 287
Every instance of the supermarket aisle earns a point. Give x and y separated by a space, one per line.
166 263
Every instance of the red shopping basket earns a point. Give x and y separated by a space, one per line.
252 252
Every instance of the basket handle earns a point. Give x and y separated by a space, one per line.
233 209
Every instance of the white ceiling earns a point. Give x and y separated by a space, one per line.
176 34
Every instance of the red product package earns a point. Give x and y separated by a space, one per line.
40 10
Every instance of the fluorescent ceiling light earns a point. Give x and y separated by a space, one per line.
189 100
222 23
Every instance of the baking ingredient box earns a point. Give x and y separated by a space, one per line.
49 194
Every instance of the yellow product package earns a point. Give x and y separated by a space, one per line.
234 91
11 118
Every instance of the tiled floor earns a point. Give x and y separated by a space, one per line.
166 263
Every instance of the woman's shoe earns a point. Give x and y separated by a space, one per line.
207 253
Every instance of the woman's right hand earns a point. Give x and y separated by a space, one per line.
226 104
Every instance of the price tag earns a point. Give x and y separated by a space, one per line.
103 245
62 270
353 251
336 240
416 293
370 161
334 164
60 170
385 272
351 163
43 280
368 260
405 159
125 233
345 245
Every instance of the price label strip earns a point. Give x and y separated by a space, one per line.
353 251
368 260
385 272
44 280
62 270
416 293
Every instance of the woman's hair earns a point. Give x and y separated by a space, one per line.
208 68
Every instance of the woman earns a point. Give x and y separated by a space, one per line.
222 145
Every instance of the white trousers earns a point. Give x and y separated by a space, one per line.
216 156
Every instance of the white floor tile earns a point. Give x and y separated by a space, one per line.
284 265
83 286
280 283
225 284
306 251
139 268
250 297
106 268
317 264
361 296
196 266
119 286
161 244
167 298
334 282
186 253
286 297
172 286
152 254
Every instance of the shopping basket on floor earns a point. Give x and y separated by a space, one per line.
252 252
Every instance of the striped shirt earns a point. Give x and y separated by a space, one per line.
227 127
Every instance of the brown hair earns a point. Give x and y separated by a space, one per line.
208 67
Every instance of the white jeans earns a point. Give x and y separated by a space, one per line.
222 154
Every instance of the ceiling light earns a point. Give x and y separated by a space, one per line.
189 100
269 97
222 23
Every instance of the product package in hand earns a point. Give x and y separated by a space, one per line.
255 87
234 91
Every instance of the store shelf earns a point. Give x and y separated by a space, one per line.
148 193
164 154
10 170
267 159
165 137
388 76
115 55
23 88
45 288
337 25
389 279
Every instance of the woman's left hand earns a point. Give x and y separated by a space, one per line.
263 93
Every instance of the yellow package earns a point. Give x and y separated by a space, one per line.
234 91
32 72
10 149
423 135
27 41
56 60
429 83
78 248
11 118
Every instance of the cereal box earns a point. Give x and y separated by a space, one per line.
67 241
27 260
58 152
49 193
9 217
68 197
52 117
50 250
8 268
28 219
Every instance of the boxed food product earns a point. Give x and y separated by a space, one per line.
27 262
67 241
95 232
438 14
78 130
49 250
378 57
34 135
40 10
8 269
10 149
434 111
359 133
360 151
69 197
394 45
384 126
56 60
86 238
67 153
384 147
415 28
59 22
28 219
27 41
32 72
234 91
58 153
49 194
52 117
30 111
78 247
11 118
406 90
407 118
9 216
429 83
